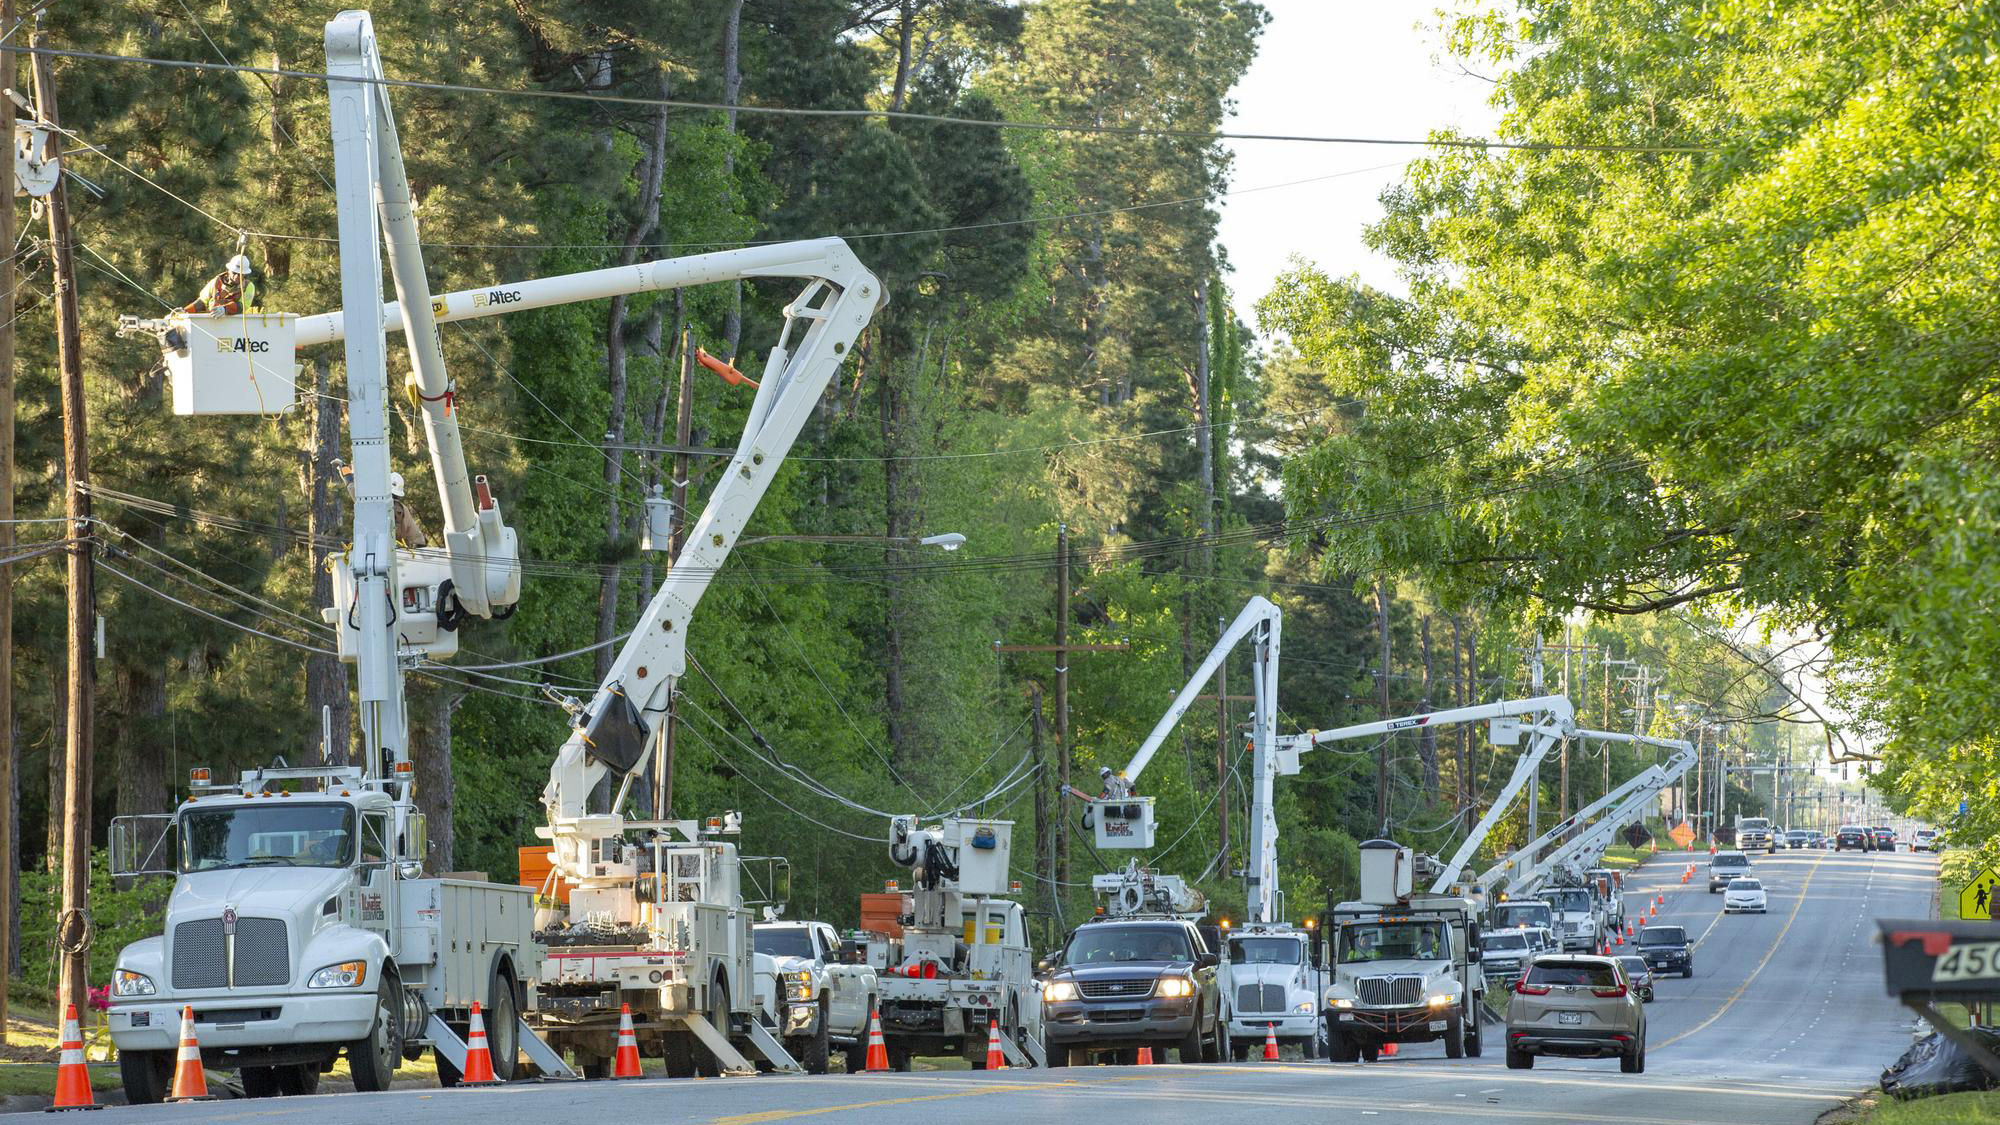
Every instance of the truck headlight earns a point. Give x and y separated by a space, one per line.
125 982
1175 987
1303 1007
798 986
347 974
1441 999
1057 991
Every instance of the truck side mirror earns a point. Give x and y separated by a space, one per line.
1206 960
416 838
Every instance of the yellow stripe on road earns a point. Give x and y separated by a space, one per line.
1768 954
813 1111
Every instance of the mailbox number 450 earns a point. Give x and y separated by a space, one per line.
1968 962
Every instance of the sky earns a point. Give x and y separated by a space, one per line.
1338 67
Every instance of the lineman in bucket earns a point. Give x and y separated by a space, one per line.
227 294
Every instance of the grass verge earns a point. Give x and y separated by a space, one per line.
1946 1109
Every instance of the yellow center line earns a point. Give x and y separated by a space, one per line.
1768 954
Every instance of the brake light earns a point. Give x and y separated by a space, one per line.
1524 988
1609 992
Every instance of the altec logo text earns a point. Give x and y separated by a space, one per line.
495 297
243 345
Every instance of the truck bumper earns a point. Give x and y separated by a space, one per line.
1286 1027
1141 1024
1390 1025
226 1023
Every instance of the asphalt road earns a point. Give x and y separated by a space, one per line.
1785 1016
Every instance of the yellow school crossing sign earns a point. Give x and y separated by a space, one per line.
1976 900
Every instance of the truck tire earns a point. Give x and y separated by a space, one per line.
899 1059
1518 1059
448 1075
1454 1035
1633 1061
1191 1047
678 1050
503 1023
706 1064
814 1049
147 1075
1218 1048
1475 1034
1371 1052
259 1081
1057 1055
1340 1047
857 1056
298 1080
373 1059
1239 1052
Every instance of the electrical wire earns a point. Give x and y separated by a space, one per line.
1205 135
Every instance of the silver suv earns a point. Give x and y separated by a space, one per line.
1576 1007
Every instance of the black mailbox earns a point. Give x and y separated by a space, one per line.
1925 960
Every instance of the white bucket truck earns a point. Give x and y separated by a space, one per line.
1405 964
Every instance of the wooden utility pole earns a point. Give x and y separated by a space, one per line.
1382 748
1045 834
73 927
10 864
663 763
1062 688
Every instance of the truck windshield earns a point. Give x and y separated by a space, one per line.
1754 824
782 941
1105 945
288 835
1573 900
1393 941
1263 951
1492 942
1507 915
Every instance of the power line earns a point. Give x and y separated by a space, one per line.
1206 135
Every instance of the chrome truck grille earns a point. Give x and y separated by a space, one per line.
1260 998
1105 989
1382 992
201 958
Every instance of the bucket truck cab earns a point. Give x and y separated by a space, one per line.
301 928
1274 977
1405 965
1580 917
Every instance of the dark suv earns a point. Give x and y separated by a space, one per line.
1667 950
1119 985
1854 836
1885 839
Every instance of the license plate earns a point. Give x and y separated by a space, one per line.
1569 1017
1437 1025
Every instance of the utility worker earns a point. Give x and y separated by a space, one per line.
409 532
228 293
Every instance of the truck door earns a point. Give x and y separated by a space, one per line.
376 876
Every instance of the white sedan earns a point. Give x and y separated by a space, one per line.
1743 896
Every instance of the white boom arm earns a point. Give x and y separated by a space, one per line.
1553 716
1259 622
483 550
1524 872
612 733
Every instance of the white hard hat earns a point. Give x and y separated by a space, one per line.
238 264
1104 771
396 485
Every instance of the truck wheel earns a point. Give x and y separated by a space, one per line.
707 1065
594 1069
857 1056
1340 1047
146 1075
448 1075
678 1049
1057 1055
373 1060
1518 1059
1454 1035
1190 1048
899 1059
1371 1052
503 1025
814 1050
259 1081
1475 1035
297 1080
1218 1048
1239 1052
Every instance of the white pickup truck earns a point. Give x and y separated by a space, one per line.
808 996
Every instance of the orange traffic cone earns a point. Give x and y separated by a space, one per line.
1388 1050
1145 1057
190 1084
626 1064
1270 1042
72 1076
1659 900
478 1059
995 1058
878 1051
